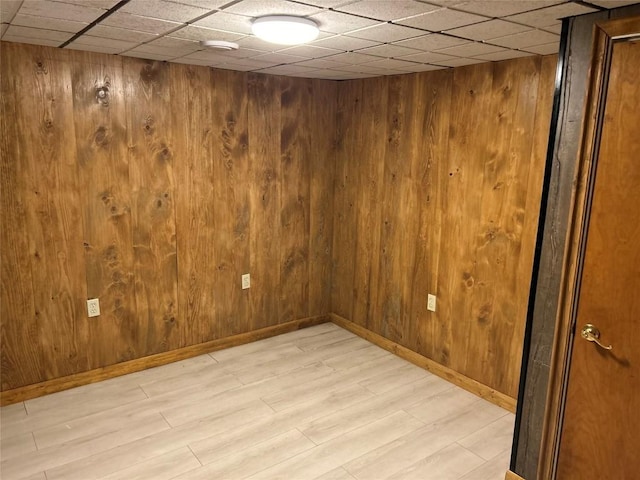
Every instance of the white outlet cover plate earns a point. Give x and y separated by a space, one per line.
93 307
431 303
246 281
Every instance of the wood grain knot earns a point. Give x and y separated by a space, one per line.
41 68
287 98
149 125
149 72
102 95
164 153
485 313
444 356
101 137
110 255
468 279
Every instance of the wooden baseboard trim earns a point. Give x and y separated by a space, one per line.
448 374
27 392
512 476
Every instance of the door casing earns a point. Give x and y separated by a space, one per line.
605 34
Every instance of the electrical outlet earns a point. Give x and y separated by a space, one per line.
246 281
93 307
431 303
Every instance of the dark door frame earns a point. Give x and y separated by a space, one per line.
606 33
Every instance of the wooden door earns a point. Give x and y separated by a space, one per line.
600 433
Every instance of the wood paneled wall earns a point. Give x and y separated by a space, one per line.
153 187
438 183
158 193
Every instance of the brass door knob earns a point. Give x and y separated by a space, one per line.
592 334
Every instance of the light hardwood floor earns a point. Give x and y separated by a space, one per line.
316 403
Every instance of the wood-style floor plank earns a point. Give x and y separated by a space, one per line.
318 403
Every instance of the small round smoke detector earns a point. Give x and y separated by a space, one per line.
219 45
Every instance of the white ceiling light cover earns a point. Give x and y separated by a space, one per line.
285 30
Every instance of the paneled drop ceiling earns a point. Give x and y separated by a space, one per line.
358 38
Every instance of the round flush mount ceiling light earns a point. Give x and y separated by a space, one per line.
219 45
284 29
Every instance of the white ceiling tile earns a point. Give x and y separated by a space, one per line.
181 44
459 62
121 34
382 10
64 11
321 63
502 8
505 55
613 3
164 10
328 3
208 57
529 38
8 9
191 32
392 63
443 19
30 40
336 22
256 44
334 75
386 33
234 67
163 51
449 3
48 23
352 58
94 48
557 28
432 41
89 40
388 51
258 8
142 24
341 42
226 21
146 55
546 49
206 4
550 15
470 50
3 28
490 29
250 63
428 57
285 70
427 68
239 54
309 51
279 58
183 60
362 68
104 4
38 33
310 74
